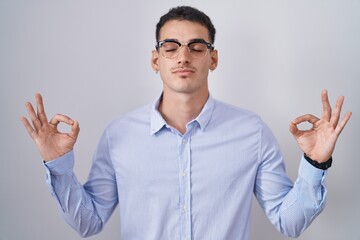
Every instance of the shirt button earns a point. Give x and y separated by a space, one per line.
184 141
184 174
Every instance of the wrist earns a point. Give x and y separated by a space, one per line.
52 155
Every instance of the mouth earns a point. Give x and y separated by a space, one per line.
183 71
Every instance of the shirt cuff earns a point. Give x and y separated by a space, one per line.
314 176
61 165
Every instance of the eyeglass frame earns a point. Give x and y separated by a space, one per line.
210 46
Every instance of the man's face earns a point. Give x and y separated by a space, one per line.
184 73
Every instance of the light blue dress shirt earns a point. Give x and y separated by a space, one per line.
197 185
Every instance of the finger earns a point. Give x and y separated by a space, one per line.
336 114
58 118
294 129
40 109
34 118
326 106
75 129
33 134
305 118
343 123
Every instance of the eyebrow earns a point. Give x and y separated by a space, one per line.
190 41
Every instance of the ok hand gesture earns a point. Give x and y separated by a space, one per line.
319 142
51 143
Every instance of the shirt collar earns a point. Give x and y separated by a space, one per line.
205 114
158 122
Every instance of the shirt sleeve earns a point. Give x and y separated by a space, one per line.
84 207
290 207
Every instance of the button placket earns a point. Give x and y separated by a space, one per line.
184 179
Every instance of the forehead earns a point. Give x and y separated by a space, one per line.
183 31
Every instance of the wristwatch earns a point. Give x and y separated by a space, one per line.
323 166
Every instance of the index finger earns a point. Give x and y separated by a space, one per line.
306 118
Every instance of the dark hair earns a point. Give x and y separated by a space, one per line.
189 14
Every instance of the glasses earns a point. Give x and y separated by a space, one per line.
171 48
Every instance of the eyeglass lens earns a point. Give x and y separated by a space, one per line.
172 49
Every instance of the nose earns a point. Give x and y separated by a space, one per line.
184 55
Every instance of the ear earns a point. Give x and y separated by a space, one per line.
214 59
155 60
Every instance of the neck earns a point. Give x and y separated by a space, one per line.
179 109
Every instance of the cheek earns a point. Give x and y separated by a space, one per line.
164 65
204 65
207 61
165 69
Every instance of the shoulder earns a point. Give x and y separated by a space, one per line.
228 117
132 119
242 121
224 110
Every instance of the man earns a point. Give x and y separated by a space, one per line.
186 166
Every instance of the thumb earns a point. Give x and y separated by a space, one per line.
75 129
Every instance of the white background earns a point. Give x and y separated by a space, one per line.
91 60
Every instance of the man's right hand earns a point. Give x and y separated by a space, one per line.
51 143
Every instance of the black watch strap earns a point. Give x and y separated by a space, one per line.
323 166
